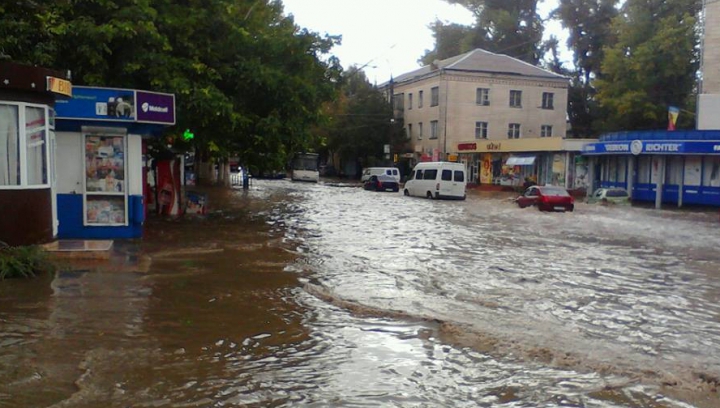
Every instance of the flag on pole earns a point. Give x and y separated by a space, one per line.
673 113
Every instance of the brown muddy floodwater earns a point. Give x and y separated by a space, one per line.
327 295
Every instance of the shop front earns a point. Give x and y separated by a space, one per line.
677 167
27 141
512 163
101 136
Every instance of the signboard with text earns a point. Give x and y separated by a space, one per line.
155 107
117 105
637 147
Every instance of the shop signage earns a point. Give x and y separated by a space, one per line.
104 104
467 146
494 146
452 157
59 86
637 147
117 105
156 107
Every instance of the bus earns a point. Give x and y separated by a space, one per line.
305 167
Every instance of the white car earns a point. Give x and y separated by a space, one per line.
368 172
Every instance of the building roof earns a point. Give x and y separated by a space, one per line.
479 60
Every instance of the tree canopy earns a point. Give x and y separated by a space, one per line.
247 80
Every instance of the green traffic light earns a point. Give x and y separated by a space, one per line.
188 135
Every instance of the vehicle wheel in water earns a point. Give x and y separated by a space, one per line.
405 192
429 195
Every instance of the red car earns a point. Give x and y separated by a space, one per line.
546 198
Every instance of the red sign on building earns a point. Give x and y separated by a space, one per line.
467 146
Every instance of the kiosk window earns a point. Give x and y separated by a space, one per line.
9 146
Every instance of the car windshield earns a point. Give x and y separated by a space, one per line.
385 178
616 193
554 191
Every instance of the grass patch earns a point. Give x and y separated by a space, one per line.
24 261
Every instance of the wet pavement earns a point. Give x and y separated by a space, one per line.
328 295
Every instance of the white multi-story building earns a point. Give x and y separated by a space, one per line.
504 118
709 98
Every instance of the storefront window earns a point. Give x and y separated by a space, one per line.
9 146
612 169
644 169
105 163
36 139
711 175
105 188
622 169
102 210
674 170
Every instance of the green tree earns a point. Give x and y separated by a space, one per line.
450 40
589 23
507 27
247 80
361 123
652 66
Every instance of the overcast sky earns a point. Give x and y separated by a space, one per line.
387 35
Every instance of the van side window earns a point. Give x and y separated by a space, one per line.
419 175
430 174
388 172
459 176
446 175
395 172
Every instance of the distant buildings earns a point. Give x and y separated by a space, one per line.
502 117
709 98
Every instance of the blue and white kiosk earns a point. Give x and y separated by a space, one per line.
101 135
675 167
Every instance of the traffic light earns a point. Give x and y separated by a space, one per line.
188 135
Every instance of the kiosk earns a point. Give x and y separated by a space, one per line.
27 140
101 136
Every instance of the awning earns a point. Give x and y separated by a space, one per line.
521 161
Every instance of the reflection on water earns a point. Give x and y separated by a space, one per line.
329 295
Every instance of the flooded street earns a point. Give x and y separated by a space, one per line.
328 295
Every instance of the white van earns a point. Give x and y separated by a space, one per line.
376 171
437 180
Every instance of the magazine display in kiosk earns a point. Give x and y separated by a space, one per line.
105 188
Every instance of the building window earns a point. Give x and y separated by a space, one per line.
481 130
9 146
514 131
420 131
548 100
410 101
434 96
433 129
36 142
399 102
482 96
546 131
420 99
23 127
516 99
410 130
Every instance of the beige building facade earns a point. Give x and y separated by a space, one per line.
709 98
454 109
